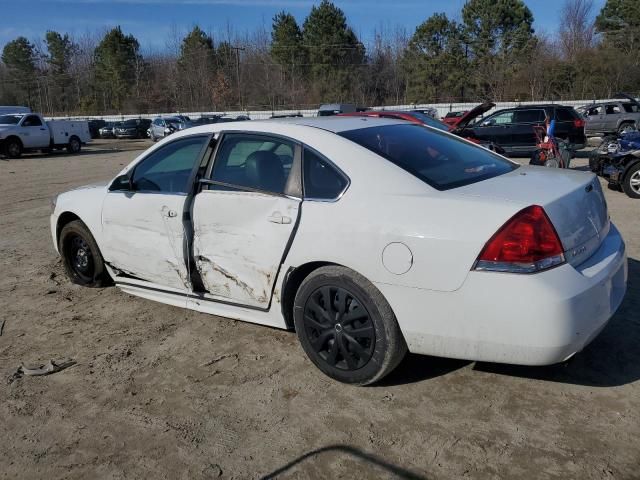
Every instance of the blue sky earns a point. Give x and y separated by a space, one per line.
152 21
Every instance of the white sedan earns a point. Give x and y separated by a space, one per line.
370 237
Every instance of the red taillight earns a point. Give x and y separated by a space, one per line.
527 243
578 123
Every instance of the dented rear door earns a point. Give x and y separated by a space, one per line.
239 241
245 216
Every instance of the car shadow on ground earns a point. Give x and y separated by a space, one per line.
390 470
612 359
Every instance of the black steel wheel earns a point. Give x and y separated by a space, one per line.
346 327
81 256
339 328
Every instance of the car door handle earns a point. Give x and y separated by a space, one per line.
278 218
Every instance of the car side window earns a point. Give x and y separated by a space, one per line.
321 180
630 108
32 121
612 109
502 118
169 168
252 162
595 110
529 116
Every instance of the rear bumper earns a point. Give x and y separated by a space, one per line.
537 319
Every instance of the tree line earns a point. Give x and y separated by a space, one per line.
491 53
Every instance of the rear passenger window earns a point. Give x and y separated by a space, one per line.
630 108
529 116
612 109
252 162
321 180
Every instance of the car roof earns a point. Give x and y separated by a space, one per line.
337 124
537 105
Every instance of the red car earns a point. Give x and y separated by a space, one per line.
452 118
456 128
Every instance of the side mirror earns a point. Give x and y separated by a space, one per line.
122 183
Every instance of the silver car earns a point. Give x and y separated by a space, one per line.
165 126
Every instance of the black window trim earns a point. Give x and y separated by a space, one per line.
131 171
294 193
334 167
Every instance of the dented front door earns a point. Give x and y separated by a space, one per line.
144 237
239 242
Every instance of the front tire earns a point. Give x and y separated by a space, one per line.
13 148
346 327
631 182
81 256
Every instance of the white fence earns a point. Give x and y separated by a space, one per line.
442 108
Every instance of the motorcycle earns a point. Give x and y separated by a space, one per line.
618 160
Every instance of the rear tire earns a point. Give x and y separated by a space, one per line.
631 182
346 327
81 256
74 145
626 128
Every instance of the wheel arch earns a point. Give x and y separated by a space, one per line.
292 281
13 137
63 219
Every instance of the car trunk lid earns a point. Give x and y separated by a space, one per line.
574 202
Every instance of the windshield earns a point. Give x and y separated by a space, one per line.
10 119
437 158
427 120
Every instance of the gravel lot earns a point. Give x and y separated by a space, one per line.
161 392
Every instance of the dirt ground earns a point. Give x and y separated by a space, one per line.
161 392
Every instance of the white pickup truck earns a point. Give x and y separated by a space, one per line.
24 132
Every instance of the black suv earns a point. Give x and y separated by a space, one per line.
134 128
512 128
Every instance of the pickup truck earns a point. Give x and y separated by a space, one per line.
27 132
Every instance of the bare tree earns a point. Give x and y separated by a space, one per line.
577 30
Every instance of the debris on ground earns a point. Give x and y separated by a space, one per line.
2 327
47 369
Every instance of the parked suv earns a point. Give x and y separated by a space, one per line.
612 117
512 128
133 128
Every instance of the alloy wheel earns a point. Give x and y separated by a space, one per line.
634 181
339 328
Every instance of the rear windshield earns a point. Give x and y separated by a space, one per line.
427 120
566 114
437 158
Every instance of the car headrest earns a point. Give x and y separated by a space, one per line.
264 170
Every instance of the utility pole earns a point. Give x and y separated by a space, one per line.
237 49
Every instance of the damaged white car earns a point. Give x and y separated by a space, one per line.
370 237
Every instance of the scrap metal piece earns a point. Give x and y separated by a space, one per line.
46 369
